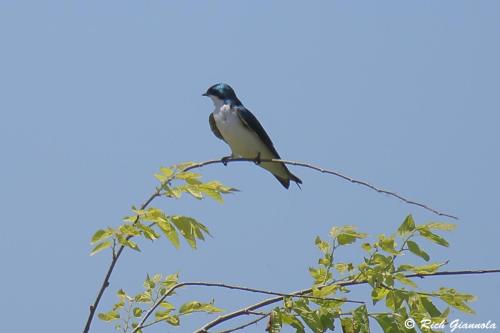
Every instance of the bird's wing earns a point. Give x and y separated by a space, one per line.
249 121
213 127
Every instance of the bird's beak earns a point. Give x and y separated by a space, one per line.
204 94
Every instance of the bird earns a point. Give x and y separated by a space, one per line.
233 123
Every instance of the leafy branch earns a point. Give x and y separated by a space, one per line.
248 309
226 286
315 307
377 270
170 226
120 238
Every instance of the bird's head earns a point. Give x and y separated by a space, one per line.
221 92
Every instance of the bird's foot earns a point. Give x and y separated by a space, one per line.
257 159
225 159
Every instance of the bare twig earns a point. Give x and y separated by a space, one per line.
227 286
245 325
245 311
331 172
468 272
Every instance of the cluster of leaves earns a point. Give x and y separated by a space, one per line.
152 222
323 306
129 310
390 281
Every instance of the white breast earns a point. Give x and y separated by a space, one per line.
243 142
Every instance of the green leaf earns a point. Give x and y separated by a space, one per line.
308 316
327 313
170 280
190 229
168 229
195 306
346 234
165 315
212 194
407 226
167 306
433 237
214 190
387 244
378 294
326 260
147 231
194 191
144 297
149 283
274 325
151 214
394 300
173 192
403 279
325 291
109 316
137 312
347 325
187 175
360 317
380 260
162 315
426 269
121 293
415 249
173 320
134 325
343 267
127 242
118 305
128 230
440 226
456 299
322 245
131 219
367 247
387 323
430 307
185 227
101 246
100 235
166 172
320 275
291 320
405 268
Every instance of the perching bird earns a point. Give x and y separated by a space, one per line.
238 127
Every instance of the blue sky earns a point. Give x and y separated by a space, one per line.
96 96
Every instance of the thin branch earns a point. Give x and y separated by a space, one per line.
330 264
331 172
245 325
150 311
153 323
468 272
273 300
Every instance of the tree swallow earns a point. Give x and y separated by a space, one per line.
238 127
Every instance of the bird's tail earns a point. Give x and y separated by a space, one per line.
286 181
295 179
281 172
